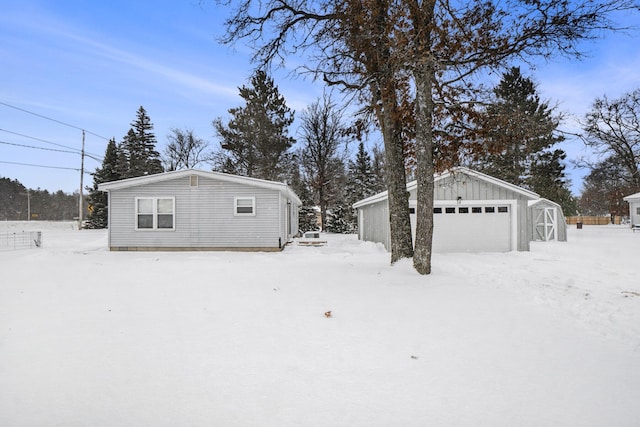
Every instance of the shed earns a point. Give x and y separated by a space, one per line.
634 209
473 212
199 210
547 221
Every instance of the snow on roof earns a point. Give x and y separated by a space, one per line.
166 176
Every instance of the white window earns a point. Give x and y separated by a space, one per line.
244 206
155 213
638 211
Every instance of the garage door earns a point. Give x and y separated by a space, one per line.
471 228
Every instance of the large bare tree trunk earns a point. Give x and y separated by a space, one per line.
424 172
398 196
424 79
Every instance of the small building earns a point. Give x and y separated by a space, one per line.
199 210
634 209
473 212
547 221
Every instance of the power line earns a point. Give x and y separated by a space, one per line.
42 166
75 150
38 148
53 120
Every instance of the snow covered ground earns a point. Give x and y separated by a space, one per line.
90 337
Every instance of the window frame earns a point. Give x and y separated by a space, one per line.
155 213
253 206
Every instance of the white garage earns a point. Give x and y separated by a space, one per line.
473 212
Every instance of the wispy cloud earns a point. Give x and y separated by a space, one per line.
88 46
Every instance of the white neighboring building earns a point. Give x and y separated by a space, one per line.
634 209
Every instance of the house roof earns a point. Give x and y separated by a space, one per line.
166 176
632 197
479 175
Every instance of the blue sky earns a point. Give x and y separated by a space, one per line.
93 64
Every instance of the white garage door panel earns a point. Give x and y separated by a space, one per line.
472 232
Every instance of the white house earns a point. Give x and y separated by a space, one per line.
199 210
634 209
473 212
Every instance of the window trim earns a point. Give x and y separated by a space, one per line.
253 206
155 213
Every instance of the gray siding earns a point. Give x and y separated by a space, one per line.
374 220
204 216
561 222
373 223
634 205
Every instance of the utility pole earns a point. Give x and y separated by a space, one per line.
80 204
28 204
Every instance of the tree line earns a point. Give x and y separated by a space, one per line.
18 203
513 136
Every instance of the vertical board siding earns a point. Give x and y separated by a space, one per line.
375 216
204 216
375 223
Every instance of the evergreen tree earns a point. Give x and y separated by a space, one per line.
138 155
16 201
13 200
361 183
307 220
255 141
377 164
519 131
338 221
98 209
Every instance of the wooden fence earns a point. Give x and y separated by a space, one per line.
593 220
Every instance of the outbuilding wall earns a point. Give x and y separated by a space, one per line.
634 212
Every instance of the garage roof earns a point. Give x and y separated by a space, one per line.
413 185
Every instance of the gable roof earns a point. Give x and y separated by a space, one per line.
167 176
542 201
439 177
632 197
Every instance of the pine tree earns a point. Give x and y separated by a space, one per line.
338 221
520 133
361 183
98 209
307 219
255 141
138 155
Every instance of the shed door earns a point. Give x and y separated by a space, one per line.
472 228
546 224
